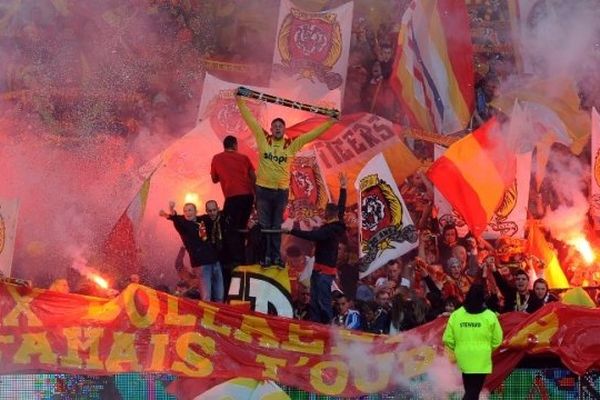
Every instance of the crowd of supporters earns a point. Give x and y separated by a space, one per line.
406 292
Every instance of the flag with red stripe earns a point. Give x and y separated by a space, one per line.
474 173
120 251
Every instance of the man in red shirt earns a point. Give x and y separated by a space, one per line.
236 174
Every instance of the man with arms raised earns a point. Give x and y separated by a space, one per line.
273 177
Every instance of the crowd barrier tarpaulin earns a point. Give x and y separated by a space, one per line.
143 330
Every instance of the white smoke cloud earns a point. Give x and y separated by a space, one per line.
441 379
568 180
559 37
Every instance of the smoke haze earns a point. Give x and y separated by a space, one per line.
90 92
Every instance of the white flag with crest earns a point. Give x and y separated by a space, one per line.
311 56
219 111
386 229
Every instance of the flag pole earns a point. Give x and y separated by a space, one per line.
268 98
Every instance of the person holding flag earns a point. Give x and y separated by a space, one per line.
273 176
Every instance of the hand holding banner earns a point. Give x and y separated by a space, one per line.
252 94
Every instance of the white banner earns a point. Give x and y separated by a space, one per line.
311 57
386 229
9 210
510 217
219 110
595 162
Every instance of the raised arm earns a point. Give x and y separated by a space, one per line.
250 120
301 140
503 286
170 214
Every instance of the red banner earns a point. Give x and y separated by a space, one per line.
149 331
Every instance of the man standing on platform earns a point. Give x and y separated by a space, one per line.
273 177
327 238
235 173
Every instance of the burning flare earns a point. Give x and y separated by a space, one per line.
98 280
192 197
584 248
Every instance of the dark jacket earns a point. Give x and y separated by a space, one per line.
380 323
216 232
328 236
201 251
510 296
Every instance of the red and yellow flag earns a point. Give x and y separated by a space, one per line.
474 173
433 68
539 247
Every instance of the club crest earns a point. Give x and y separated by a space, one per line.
500 221
381 219
225 118
309 45
308 193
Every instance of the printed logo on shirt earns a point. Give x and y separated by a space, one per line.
277 159
470 324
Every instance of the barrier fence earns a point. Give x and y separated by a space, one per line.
522 383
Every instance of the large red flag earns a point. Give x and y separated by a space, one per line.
474 173
120 251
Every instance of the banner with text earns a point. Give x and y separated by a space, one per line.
145 330
350 146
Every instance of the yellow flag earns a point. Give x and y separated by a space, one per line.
539 247
578 297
